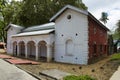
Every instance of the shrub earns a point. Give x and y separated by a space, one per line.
115 57
83 77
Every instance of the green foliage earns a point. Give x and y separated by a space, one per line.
83 77
110 44
115 57
35 12
3 3
116 34
118 24
11 11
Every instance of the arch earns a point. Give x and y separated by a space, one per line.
31 49
14 48
22 48
69 47
42 50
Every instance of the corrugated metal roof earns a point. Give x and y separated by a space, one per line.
40 27
33 33
13 25
68 7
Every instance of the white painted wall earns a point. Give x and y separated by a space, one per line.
11 31
36 38
78 24
48 38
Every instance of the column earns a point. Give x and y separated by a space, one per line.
26 51
49 53
36 45
18 52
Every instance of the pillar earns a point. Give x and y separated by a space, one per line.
18 52
36 56
49 53
26 51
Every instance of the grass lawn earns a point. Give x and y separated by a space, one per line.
82 77
115 57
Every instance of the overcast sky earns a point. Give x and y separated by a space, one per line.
112 7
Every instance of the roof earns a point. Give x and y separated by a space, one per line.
104 27
34 33
13 25
40 27
85 12
68 7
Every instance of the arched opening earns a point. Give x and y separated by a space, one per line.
42 50
69 47
31 49
15 48
22 49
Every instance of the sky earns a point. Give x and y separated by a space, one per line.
112 7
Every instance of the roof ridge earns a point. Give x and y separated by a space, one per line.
40 27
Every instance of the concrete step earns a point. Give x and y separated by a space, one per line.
53 74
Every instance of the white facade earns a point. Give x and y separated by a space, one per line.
11 31
68 43
29 44
74 30
37 39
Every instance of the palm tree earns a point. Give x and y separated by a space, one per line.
104 17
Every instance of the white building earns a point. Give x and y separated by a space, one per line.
65 40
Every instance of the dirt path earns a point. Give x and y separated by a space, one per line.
101 70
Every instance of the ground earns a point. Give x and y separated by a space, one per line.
11 72
102 70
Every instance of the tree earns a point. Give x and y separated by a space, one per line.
3 3
8 14
110 45
36 12
104 17
118 25
116 34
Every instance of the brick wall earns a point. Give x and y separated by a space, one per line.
97 39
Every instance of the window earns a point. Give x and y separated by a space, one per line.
69 17
100 48
69 47
105 48
94 48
